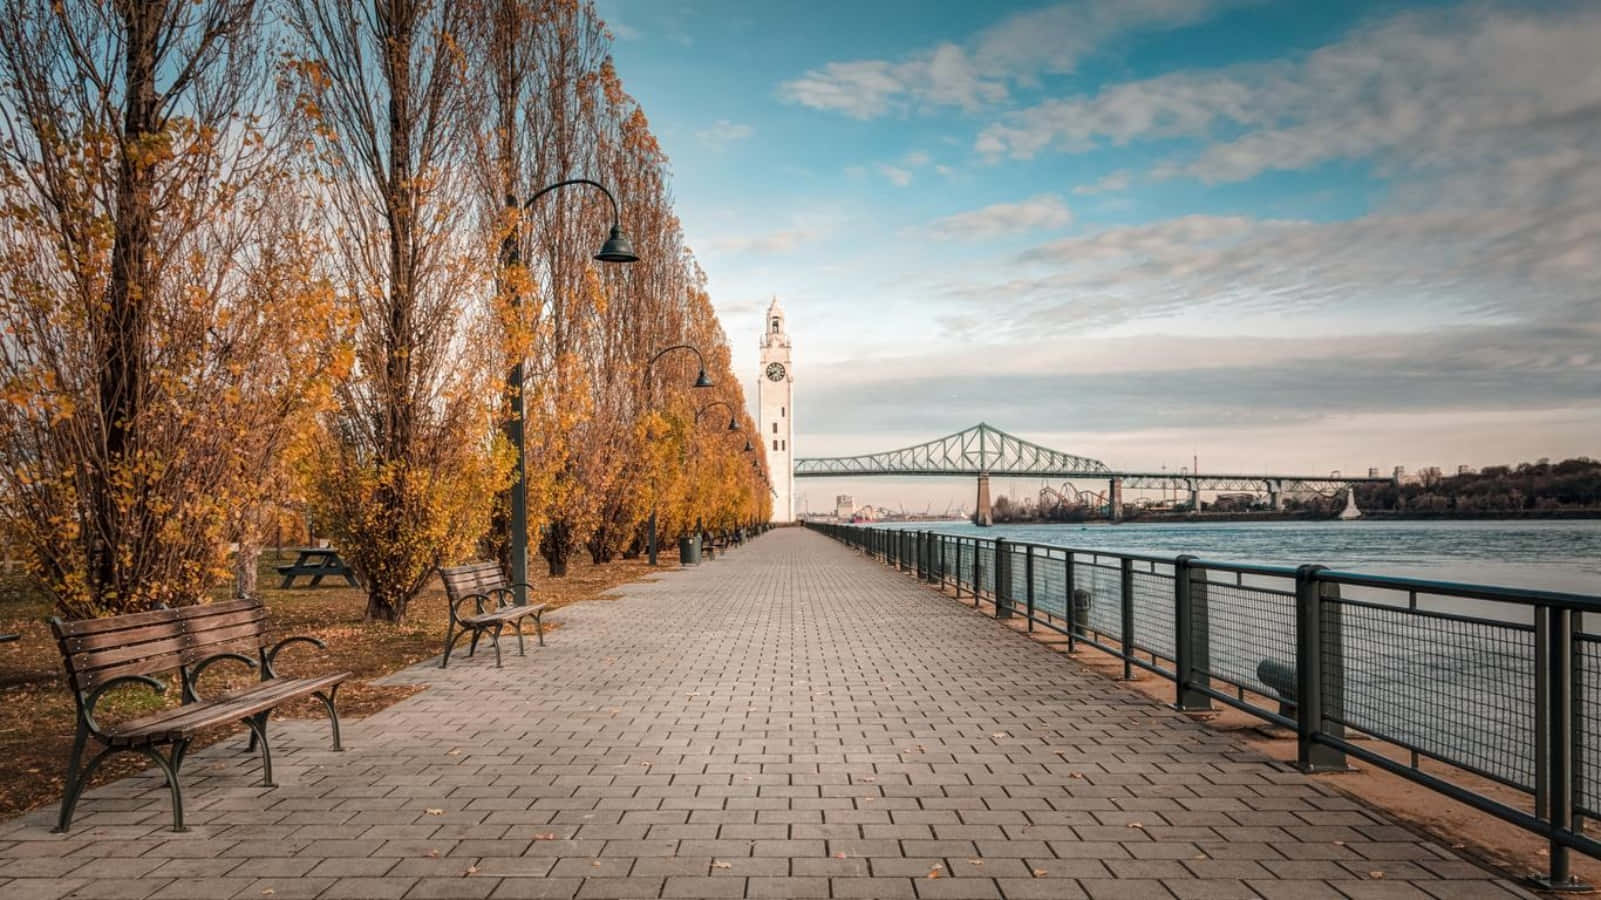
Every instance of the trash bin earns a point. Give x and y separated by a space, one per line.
688 551
1082 602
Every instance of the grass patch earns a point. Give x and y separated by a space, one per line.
37 717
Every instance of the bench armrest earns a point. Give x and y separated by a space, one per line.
507 596
478 605
191 675
86 703
268 657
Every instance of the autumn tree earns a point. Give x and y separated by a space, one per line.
158 344
407 467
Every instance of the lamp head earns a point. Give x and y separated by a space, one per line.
701 381
733 424
617 249
748 447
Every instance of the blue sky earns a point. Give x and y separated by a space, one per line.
1299 235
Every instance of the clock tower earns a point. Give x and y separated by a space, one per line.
775 398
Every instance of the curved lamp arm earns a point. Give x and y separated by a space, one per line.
615 215
701 381
733 418
617 249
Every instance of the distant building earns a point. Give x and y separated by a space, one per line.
844 506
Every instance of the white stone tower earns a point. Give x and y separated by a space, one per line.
775 392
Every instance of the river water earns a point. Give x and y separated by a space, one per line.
1553 555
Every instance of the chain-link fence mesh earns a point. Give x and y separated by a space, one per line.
1101 578
1153 609
1587 721
1456 688
1250 625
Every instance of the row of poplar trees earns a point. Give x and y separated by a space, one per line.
255 252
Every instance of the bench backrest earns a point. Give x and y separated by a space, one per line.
472 578
98 650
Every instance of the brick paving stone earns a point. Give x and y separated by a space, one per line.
790 720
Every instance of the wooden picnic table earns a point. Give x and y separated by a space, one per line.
318 562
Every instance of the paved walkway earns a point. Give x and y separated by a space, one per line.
791 721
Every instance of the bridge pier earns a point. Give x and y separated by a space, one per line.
1195 494
1114 500
982 513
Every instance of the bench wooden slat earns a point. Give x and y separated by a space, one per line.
505 614
222 710
163 630
151 617
174 646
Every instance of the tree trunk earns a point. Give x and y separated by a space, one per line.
556 545
245 561
122 327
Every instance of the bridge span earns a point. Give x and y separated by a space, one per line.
983 451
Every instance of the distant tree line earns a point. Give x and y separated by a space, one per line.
1569 485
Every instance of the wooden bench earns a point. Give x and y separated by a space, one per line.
495 606
103 654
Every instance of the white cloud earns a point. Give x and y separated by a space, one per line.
1016 50
772 242
1043 212
1415 91
723 133
897 176
1115 181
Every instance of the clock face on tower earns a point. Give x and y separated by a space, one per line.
775 371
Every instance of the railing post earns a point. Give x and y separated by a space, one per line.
1073 624
1318 667
1028 582
978 573
941 571
1126 605
1559 742
1003 579
958 568
1189 635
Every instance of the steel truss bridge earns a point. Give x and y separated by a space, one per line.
984 451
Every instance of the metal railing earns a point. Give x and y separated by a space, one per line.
1499 685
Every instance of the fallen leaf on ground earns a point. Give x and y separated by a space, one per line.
1040 873
434 812
1375 874
716 864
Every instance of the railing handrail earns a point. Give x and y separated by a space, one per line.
1496 593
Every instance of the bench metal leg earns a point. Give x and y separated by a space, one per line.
451 637
76 778
258 730
539 626
333 714
169 767
519 625
496 640
472 649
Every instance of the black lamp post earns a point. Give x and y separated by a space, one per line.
701 381
616 249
